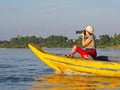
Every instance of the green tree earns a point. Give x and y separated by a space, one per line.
55 41
104 40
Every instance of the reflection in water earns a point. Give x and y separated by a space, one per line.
75 82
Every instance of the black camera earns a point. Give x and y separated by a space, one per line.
82 31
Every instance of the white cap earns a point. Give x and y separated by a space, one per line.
90 29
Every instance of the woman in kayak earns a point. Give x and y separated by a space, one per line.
88 42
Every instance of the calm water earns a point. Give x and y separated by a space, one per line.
21 70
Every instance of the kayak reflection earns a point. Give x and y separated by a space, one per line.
76 82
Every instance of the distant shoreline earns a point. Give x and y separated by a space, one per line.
59 41
114 47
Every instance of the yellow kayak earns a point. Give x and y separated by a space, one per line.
62 63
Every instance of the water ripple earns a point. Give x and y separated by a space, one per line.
16 79
7 66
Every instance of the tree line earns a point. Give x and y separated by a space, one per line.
59 41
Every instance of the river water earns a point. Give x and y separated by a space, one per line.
20 69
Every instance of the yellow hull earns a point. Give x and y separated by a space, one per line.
61 63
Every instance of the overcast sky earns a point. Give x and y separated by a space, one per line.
58 17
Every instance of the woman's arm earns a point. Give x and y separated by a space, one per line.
85 41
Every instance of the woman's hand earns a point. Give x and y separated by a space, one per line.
83 35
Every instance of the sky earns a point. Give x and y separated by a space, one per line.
58 17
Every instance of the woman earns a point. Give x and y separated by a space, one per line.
88 42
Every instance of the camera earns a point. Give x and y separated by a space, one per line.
82 31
